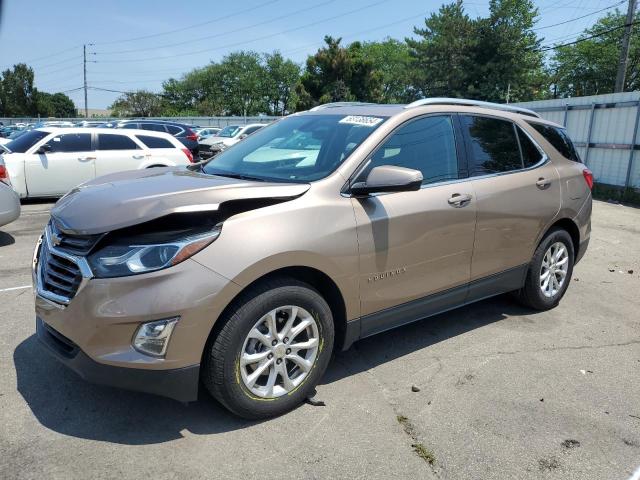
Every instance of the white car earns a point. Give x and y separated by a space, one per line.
48 162
227 137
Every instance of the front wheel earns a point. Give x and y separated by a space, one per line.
550 271
271 350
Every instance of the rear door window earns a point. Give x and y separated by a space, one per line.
71 142
154 142
427 144
131 126
559 139
492 146
115 142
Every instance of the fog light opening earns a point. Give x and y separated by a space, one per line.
152 338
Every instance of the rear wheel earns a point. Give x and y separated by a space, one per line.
271 351
550 271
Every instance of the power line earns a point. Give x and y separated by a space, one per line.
299 49
578 18
584 39
34 60
220 34
188 27
264 37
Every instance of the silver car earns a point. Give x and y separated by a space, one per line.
9 201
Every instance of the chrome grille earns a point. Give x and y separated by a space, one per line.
59 275
75 244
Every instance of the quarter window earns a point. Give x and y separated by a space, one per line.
173 130
427 144
492 145
71 142
559 139
115 142
155 142
530 153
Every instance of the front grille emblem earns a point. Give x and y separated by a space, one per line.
55 239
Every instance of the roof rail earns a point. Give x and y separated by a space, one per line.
340 104
472 103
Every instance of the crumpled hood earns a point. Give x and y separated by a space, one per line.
128 198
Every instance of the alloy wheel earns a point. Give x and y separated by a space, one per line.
279 351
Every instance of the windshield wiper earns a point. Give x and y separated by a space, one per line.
239 176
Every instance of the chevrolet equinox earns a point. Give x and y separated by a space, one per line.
244 274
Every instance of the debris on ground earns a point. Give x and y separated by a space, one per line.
570 443
415 388
312 400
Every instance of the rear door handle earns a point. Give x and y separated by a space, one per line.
458 200
86 159
543 183
138 157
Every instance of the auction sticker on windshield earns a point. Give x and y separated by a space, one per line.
361 120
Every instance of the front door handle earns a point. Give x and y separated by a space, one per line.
543 183
458 200
138 157
86 159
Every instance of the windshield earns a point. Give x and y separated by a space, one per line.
296 149
229 131
26 141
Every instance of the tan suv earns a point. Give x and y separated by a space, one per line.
246 273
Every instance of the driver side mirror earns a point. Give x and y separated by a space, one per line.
243 136
44 148
388 178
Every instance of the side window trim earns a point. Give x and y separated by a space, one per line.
454 121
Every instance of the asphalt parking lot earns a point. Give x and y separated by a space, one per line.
504 393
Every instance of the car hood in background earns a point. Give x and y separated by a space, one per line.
129 198
213 140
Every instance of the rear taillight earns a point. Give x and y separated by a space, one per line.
191 136
588 177
187 152
4 175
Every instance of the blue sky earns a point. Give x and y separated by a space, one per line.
132 37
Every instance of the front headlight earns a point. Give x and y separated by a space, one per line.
130 258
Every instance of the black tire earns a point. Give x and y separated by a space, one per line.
221 367
531 294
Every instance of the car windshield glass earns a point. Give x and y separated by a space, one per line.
229 131
296 149
26 141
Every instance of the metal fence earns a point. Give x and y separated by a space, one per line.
199 121
606 131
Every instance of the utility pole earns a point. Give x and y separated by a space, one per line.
84 55
624 51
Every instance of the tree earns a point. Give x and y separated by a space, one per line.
337 74
282 76
484 58
442 56
17 93
141 103
242 77
392 59
507 56
55 105
589 67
